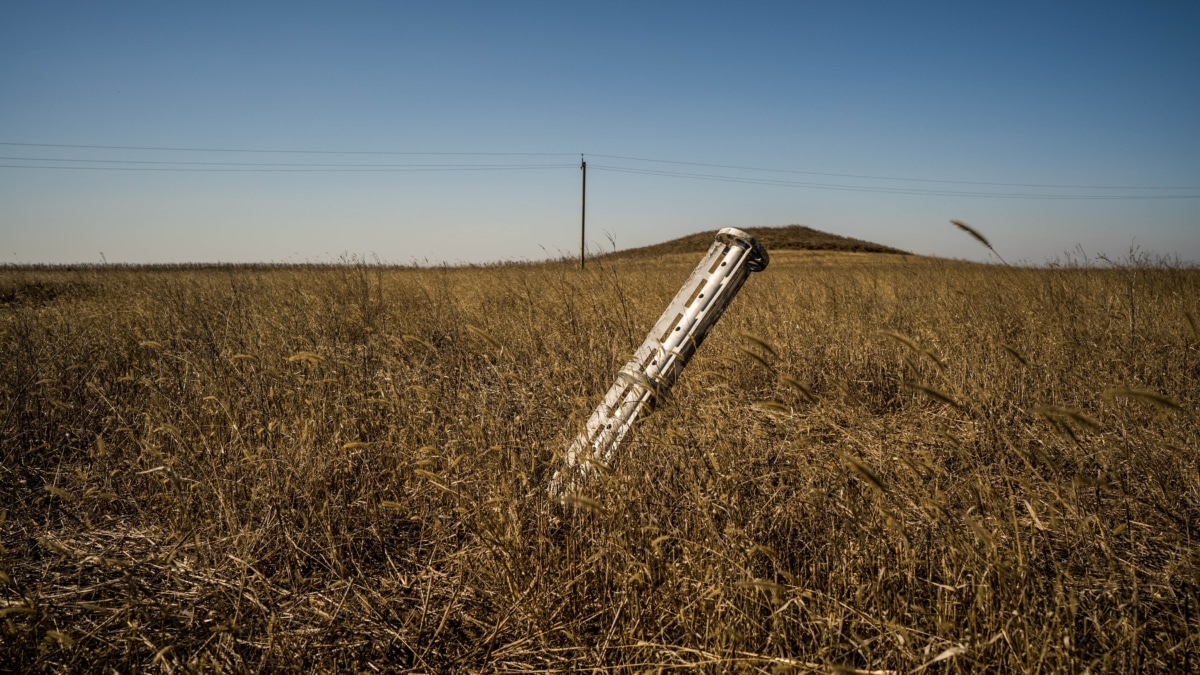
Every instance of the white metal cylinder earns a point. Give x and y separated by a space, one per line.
666 351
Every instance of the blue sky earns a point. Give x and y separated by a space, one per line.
1004 98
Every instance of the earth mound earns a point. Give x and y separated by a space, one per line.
788 238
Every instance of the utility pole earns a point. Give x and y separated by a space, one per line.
582 210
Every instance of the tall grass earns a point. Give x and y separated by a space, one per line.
874 463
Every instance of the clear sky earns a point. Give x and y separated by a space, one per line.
918 107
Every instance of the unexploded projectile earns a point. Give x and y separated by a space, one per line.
668 348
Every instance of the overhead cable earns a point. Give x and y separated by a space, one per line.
330 169
181 165
895 178
880 190
279 164
291 152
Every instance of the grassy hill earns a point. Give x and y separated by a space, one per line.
788 238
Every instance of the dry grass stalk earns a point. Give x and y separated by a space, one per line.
331 469
977 235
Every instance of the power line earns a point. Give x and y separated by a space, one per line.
252 167
290 152
572 154
879 190
73 164
482 167
896 178
274 164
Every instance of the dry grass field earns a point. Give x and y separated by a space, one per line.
876 462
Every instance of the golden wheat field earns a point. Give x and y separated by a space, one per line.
875 463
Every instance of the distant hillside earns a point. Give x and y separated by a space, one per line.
789 238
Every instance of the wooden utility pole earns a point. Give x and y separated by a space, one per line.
582 211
